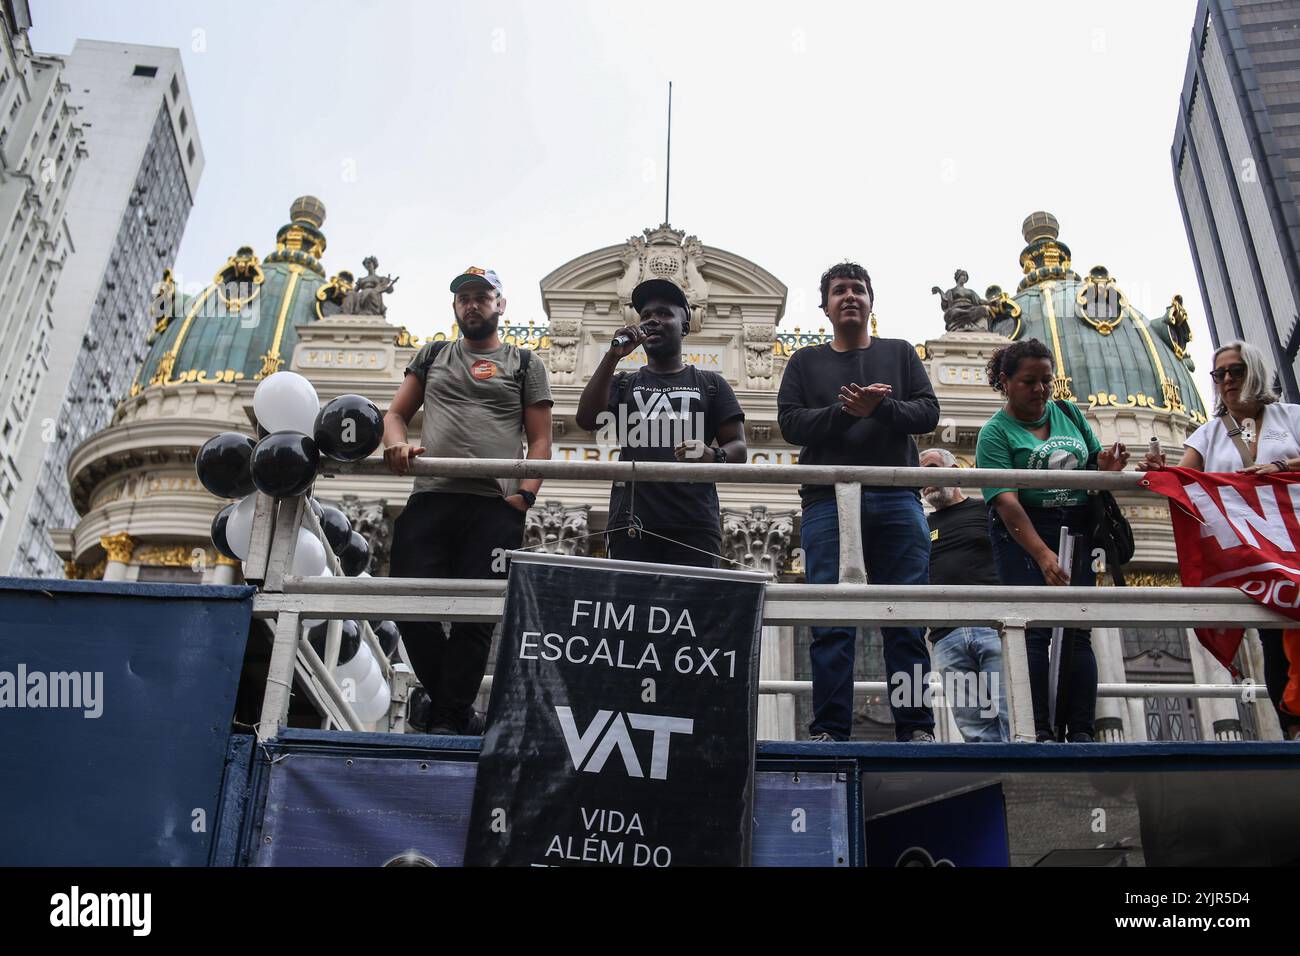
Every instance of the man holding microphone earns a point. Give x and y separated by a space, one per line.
665 411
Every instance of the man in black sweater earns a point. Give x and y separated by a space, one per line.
859 401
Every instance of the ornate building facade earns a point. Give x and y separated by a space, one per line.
144 515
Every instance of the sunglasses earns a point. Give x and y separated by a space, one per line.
1237 371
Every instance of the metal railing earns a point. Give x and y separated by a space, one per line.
287 600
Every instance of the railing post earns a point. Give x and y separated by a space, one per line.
1015 678
848 503
279 676
259 550
284 542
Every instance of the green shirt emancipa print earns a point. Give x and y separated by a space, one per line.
1006 443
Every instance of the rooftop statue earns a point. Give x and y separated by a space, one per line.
963 309
367 296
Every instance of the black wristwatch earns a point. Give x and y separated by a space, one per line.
530 499
720 456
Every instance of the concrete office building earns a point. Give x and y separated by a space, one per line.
126 213
1236 158
40 150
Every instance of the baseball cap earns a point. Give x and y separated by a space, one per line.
477 274
666 288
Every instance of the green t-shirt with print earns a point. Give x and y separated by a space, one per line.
1006 443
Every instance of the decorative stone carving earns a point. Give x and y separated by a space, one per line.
562 351
664 253
118 547
367 296
759 343
757 538
370 519
963 309
558 529
760 432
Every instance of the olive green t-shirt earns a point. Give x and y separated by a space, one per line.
1006 443
474 408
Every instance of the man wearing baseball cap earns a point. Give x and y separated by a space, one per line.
480 396
664 411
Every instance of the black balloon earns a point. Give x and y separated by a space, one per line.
219 531
349 428
355 556
337 528
316 507
349 644
388 635
284 464
223 465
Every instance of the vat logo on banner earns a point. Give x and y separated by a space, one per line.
615 733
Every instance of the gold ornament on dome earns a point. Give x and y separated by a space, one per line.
405 340
240 271
118 546
164 369
163 305
332 294
1101 303
271 363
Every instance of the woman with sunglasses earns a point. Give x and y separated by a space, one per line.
1245 403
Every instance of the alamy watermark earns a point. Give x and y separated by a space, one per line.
960 689
71 690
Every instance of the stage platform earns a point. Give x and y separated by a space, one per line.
332 798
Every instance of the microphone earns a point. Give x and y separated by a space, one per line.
621 340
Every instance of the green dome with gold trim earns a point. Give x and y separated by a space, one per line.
1107 353
241 327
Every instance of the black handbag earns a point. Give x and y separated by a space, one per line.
1110 529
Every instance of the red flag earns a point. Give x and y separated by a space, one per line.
1239 531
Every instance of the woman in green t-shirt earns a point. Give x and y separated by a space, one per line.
1034 432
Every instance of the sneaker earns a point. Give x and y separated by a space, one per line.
822 738
1045 739
1080 738
419 710
471 725
920 737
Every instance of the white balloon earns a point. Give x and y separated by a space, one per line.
288 402
376 707
239 527
361 664
368 685
308 556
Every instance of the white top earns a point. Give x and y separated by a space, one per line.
1277 440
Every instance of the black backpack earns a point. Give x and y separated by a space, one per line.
1110 529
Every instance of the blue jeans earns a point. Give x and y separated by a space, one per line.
896 546
976 652
1016 567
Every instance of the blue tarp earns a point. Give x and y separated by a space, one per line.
115 710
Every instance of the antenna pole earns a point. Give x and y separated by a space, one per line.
668 165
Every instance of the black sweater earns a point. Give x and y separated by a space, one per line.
810 412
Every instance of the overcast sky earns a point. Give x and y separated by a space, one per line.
913 137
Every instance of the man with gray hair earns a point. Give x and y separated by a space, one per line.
968 658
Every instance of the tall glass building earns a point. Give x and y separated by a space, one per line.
126 213
1236 159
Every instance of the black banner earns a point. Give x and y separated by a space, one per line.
622 720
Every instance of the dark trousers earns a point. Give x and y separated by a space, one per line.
1275 675
440 535
1017 568
655 550
896 550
